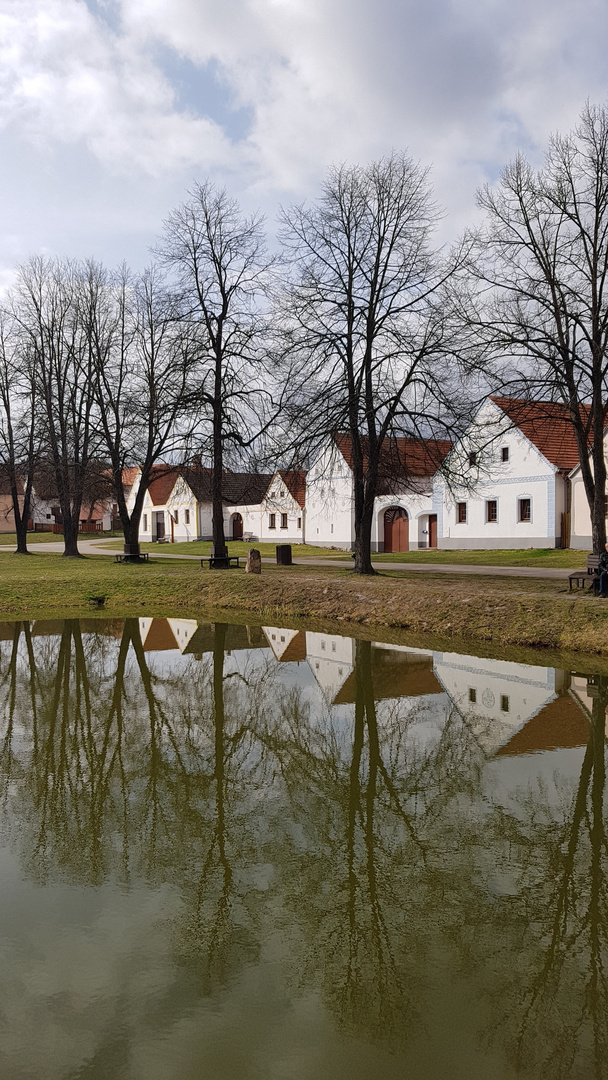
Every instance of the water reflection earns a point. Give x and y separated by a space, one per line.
357 859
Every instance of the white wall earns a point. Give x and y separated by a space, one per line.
329 501
526 475
278 501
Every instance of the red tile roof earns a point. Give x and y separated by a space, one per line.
400 458
295 482
547 425
129 475
162 483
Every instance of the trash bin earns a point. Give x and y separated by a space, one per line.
284 555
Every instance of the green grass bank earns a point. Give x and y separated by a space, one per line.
502 611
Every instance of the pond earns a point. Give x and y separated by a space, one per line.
254 853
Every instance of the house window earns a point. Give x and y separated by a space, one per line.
505 453
491 510
504 702
525 510
272 521
299 523
283 521
472 695
177 517
145 522
472 458
187 517
461 513
332 529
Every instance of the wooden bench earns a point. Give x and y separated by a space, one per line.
581 577
144 556
221 563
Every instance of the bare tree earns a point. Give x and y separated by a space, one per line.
539 309
48 306
220 262
142 360
364 320
19 426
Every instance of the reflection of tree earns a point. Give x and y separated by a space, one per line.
367 809
217 929
361 833
552 923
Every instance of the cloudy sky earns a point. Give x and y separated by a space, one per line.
111 108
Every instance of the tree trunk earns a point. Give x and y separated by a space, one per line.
220 551
364 515
130 530
70 536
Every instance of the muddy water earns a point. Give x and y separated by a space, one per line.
246 853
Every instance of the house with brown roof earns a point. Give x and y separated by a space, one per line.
404 516
513 470
177 505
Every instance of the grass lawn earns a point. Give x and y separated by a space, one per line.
566 558
235 547
9 539
501 611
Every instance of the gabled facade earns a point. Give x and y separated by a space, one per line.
283 509
513 466
404 515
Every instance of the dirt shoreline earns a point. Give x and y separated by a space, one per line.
496 612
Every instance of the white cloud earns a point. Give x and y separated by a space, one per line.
462 84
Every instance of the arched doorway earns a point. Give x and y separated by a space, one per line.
396 529
237 527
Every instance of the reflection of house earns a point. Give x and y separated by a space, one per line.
497 697
332 660
287 645
236 638
403 510
396 673
162 635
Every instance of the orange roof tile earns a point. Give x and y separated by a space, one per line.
295 482
547 425
400 458
162 483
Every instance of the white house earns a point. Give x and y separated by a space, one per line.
510 478
404 515
177 505
283 508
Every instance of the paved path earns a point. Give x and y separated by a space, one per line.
101 547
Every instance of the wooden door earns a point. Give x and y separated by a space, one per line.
237 527
160 526
433 530
396 530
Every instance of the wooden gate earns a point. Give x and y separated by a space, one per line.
396 529
237 527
